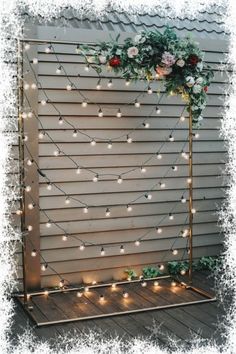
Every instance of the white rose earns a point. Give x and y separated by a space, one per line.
197 88
132 52
195 108
200 118
90 59
189 81
118 51
102 59
200 66
137 38
199 80
180 63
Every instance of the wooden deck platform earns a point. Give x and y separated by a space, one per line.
202 319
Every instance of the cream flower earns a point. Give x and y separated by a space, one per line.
180 63
189 81
132 52
139 38
200 66
199 80
102 59
197 88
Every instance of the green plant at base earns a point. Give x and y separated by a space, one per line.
131 274
151 272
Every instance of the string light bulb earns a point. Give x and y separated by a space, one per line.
102 298
79 294
43 102
193 211
86 68
129 139
162 267
136 103
159 156
156 283
196 135
99 86
58 70
78 171
49 186
109 145
69 87
86 289
174 252
60 121
28 188
119 180
110 83
184 233
102 252
173 283
64 238
143 169
100 113
48 49
34 253
162 185
182 118
61 283
33 86
84 104
48 224
27 46
158 230
95 178
30 162
26 86
85 210
183 272
127 82
122 250
29 227
125 294
137 243
113 285
171 216
108 212
75 133
148 196
174 168
189 180
149 90
56 153
24 115
183 200
171 138
46 292
19 212
67 200
143 283
41 135
158 110
31 206
44 267
119 114
129 208
82 247
146 125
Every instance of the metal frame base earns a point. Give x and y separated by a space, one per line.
29 310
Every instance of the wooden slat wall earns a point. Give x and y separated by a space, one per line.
122 227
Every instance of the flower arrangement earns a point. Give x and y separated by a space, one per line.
158 56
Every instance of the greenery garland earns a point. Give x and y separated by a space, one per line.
153 55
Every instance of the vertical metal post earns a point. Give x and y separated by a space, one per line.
21 160
190 205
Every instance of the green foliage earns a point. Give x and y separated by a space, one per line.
177 61
151 272
204 263
176 267
131 274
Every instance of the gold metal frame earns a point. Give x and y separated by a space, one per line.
27 294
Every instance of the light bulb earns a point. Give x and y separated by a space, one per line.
95 178
86 68
27 46
58 70
183 272
25 138
182 118
41 135
108 212
137 104
149 90
162 184
29 227
69 87
129 139
129 208
193 211
143 284
56 152
119 114
92 142
31 206
171 138
64 238
156 283
84 104
127 82
24 115
173 283
183 200
159 230
78 171
49 186
99 86
85 210
102 252
143 169
113 285
119 180
26 86
30 114
122 250
148 196
86 289
34 253
196 135
19 212
67 200
125 294
44 267
184 233
110 84
61 283
109 145
175 252
74 134
189 180
28 188
146 125
82 247
171 216
48 49
102 298
79 294
174 168
30 162
137 243
43 102
159 156
158 110
60 121
162 267
48 224
100 113
33 86
46 292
